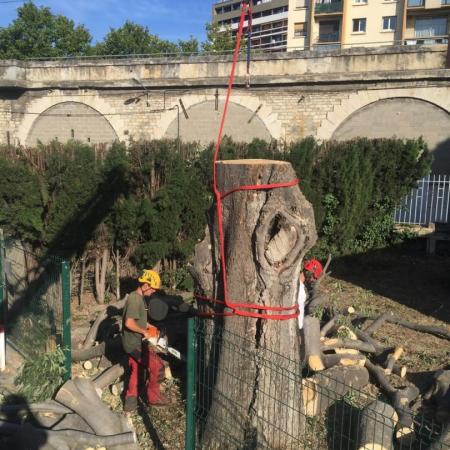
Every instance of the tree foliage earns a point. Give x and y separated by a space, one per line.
219 41
36 32
132 38
150 200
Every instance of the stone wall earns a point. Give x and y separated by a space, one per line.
335 95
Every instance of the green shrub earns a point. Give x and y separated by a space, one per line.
41 376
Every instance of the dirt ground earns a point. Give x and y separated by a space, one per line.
415 286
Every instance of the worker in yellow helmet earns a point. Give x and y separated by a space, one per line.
140 355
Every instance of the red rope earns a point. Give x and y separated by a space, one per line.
237 307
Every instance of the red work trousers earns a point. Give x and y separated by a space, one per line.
148 361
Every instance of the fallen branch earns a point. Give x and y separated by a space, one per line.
346 359
430 329
109 346
392 359
334 343
377 323
108 376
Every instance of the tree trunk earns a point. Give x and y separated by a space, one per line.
101 266
83 275
117 274
267 233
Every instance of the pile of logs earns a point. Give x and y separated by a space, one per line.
343 356
76 419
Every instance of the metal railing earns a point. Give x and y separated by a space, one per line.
244 396
329 37
428 203
328 8
36 298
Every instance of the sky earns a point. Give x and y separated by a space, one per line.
169 19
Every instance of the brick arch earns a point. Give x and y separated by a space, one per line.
37 108
361 99
265 119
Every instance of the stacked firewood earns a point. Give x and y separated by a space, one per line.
341 355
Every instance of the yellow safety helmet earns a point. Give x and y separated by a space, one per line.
151 278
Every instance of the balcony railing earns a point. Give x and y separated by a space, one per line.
326 47
328 8
329 37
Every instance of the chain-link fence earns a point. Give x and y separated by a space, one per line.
35 299
242 396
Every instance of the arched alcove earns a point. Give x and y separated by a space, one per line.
402 118
202 124
71 120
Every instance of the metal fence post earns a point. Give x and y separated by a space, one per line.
66 338
190 388
2 304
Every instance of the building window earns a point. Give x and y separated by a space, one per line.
359 25
360 2
300 29
434 26
299 4
389 23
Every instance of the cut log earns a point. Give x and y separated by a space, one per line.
443 442
336 343
79 395
376 429
104 348
380 377
109 376
311 334
377 323
344 359
326 387
363 336
392 359
117 389
440 395
402 404
267 233
34 435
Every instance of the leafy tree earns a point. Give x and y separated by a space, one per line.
36 32
132 38
21 207
191 46
219 41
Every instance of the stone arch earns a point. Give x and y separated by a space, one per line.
402 113
71 120
91 104
203 122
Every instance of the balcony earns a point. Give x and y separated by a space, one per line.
329 37
421 3
326 47
328 8
415 3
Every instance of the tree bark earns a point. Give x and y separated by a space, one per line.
376 431
324 388
267 233
82 278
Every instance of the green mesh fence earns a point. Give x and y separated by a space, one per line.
242 397
36 296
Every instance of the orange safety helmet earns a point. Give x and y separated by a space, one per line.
314 267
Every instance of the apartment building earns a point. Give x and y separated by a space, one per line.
325 24
269 21
280 25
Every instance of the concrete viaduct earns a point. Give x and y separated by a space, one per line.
381 92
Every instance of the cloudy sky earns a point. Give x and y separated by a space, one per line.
170 19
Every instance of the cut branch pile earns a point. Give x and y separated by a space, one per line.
77 415
346 355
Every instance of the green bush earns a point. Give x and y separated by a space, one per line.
153 197
41 376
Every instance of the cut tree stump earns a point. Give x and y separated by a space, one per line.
267 233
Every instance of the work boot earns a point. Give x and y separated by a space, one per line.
160 401
130 404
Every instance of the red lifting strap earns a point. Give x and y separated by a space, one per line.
239 309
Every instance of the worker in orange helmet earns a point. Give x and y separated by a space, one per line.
136 333
312 269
